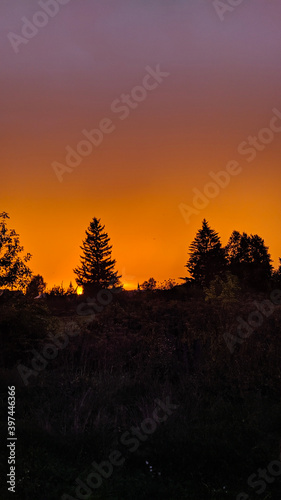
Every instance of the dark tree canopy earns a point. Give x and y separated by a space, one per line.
248 258
149 284
206 255
14 272
36 286
97 268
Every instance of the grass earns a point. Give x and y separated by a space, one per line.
144 347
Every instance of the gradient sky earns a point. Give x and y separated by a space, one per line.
224 82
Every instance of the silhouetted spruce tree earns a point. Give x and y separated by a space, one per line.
207 258
97 268
248 258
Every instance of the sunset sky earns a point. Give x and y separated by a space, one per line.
223 83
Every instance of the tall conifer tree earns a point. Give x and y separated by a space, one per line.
97 267
206 255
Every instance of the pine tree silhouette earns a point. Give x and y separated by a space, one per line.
97 268
206 255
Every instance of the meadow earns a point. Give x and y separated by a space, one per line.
94 401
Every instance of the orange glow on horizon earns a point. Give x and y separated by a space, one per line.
151 240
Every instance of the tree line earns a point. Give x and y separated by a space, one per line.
245 259
245 256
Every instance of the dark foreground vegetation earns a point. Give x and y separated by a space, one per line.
144 346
